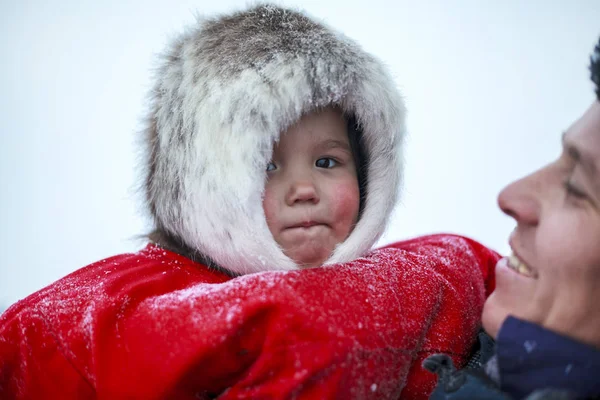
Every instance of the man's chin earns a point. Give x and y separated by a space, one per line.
493 316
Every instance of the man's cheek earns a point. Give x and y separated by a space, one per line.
559 248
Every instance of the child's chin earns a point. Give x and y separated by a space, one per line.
310 259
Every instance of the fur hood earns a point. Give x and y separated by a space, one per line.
225 90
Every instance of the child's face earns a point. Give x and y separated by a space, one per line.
311 196
554 277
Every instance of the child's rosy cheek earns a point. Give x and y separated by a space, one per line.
269 207
346 201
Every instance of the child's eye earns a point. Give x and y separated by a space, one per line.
574 191
271 166
326 162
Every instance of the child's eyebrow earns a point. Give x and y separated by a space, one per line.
335 144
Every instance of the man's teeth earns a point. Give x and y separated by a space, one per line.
519 266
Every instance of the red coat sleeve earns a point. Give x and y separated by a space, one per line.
154 325
31 365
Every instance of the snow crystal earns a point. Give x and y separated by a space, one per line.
568 369
231 313
300 374
530 345
88 319
374 387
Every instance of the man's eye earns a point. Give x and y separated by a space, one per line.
271 166
573 190
325 162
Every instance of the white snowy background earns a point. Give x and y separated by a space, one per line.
490 86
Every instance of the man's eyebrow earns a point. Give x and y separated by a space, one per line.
580 156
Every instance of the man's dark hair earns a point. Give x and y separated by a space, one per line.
595 68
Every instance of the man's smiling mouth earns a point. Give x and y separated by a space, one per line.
519 266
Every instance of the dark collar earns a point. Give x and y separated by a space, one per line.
483 350
531 357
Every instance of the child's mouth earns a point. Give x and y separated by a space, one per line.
306 224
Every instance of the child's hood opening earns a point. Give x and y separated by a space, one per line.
225 90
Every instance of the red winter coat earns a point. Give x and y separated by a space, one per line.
156 325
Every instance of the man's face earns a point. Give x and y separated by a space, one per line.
311 196
553 276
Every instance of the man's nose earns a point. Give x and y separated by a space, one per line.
521 200
302 191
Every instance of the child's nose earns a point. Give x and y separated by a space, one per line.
301 192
